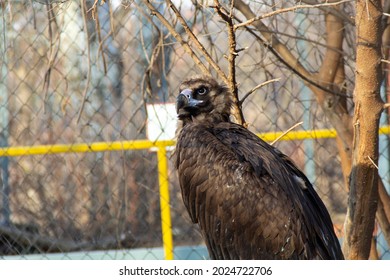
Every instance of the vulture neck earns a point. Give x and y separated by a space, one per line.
206 118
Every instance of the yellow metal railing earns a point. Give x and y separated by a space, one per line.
165 208
162 162
83 147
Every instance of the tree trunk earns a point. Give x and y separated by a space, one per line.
363 197
330 75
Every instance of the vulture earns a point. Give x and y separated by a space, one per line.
249 199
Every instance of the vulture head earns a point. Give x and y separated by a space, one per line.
203 98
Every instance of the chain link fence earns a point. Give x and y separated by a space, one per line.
84 71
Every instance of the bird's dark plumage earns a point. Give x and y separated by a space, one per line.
249 199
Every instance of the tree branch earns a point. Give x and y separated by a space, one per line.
289 9
178 37
279 49
256 88
196 42
363 194
336 12
85 92
232 83
284 133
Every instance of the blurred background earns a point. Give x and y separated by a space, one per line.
86 71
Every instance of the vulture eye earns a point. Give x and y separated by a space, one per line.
201 91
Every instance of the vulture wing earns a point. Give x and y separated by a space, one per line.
250 200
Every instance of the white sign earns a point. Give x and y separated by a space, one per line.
162 121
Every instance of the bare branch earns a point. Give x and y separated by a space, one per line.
177 36
111 19
93 9
232 43
282 53
95 15
228 18
385 61
196 42
336 12
84 12
256 88
284 133
386 105
52 53
376 166
289 9
149 19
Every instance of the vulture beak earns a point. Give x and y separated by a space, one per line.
186 100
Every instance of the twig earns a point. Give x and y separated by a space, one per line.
386 105
197 43
385 61
34 16
95 13
52 53
93 8
285 10
152 62
148 18
177 36
10 10
367 10
228 18
284 133
111 19
209 37
298 69
83 11
376 166
95 16
256 88
142 40
336 12
100 50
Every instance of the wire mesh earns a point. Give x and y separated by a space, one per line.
75 71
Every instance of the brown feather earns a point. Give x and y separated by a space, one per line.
249 199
